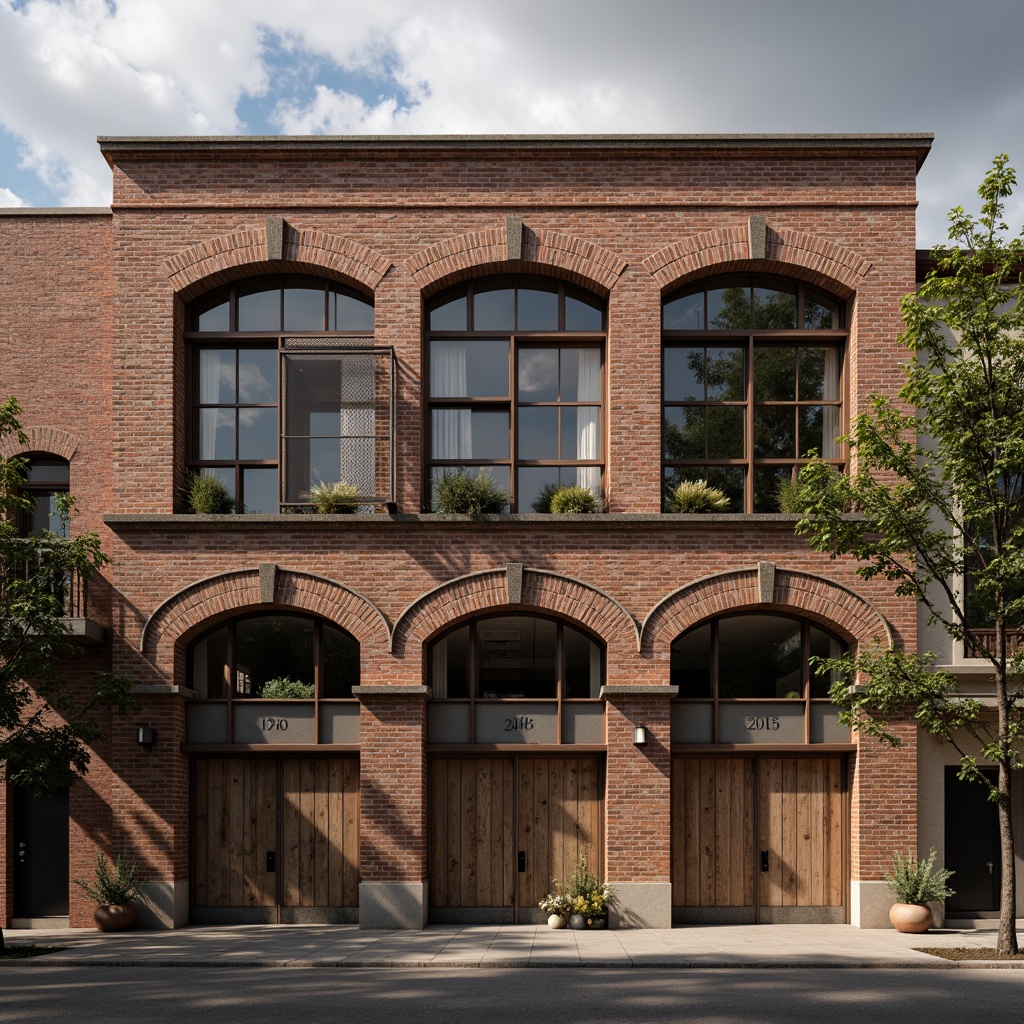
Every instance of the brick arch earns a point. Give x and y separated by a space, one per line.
216 261
477 253
204 603
792 253
836 607
484 592
51 440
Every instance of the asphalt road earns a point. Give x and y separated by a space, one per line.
112 995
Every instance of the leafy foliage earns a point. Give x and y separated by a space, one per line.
691 496
914 881
461 493
286 688
207 495
579 893
340 498
120 885
542 503
573 499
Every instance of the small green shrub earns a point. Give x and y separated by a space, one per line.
573 499
335 499
787 494
286 688
460 494
207 495
119 885
693 496
542 503
914 881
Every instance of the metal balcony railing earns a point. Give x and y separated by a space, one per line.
987 638
68 587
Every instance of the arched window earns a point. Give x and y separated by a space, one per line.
288 393
46 477
748 678
278 656
752 381
515 370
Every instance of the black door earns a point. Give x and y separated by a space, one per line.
40 853
972 844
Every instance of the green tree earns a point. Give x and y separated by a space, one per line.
45 725
938 491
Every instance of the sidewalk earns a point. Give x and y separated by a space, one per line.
719 946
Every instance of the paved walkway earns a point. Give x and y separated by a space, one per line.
509 946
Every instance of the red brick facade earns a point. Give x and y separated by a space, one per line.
93 346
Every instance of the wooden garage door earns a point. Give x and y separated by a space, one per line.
275 833
763 836
491 817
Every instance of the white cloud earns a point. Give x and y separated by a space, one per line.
9 198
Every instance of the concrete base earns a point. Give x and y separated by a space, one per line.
869 905
641 905
393 905
163 905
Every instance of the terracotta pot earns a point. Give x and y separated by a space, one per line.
910 917
556 921
114 917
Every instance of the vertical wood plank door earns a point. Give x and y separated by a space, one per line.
713 832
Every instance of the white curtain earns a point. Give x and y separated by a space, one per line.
439 674
830 428
588 421
451 429
209 394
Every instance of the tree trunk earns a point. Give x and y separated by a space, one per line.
3 946
1007 940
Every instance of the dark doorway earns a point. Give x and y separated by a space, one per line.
40 853
972 844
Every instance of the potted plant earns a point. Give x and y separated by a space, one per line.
915 884
461 493
113 890
588 897
696 496
207 495
557 906
339 498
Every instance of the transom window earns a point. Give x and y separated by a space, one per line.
752 382
515 386
288 392
748 679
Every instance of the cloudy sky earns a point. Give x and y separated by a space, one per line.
71 70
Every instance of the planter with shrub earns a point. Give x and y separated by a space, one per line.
696 496
207 495
336 499
464 494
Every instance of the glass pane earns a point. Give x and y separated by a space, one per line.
260 311
774 309
217 318
257 375
729 308
684 314
767 481
812 373
824 646
535 485
259 487
728 479
759 656
820 312
351 314
517 657
582 664
684 433
43 517
216 434
684 374
449 317
725 432
217 376
304 309
725 374
474 369
538 432
48 471
494 309
469 434
774 373
775 432
583 315
499 474
257 435
210 665
450 665
581 432
691 663
313 395
341 663
810 429
538 310
272 647
538 375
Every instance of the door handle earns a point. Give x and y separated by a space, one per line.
764 860
522 860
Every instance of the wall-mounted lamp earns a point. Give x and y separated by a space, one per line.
147 736
639 736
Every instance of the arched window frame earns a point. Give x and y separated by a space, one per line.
45 476
739 460
448 414
265 446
